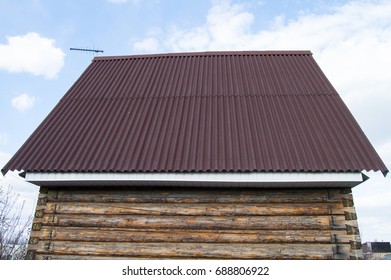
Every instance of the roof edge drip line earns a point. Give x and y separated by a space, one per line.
254 179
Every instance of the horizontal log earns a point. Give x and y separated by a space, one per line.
189 250
189 222
175 235
85 257
190 195
151 221
89 257
338 193
200 209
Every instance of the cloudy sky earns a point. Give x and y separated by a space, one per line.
351 41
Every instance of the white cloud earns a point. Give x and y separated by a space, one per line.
372 201
376 197
229 26
23 102
351 43
33 54
4 158
3 138
225 24
147 45
385 150
27 193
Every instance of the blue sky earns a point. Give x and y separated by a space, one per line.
351 41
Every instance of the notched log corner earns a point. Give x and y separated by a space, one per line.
355 245
347 202
352 230
33 240
31 255
43 189
42 201
36 227
39 213
349 216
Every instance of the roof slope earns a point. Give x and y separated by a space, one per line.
200 112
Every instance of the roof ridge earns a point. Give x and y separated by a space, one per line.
208 53
202 95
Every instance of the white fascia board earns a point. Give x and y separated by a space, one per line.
250 179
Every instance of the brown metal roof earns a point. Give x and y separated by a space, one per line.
200 112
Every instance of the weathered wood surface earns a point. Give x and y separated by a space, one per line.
188 250
189 222
229 223
341 236
196 209
89 257
177 235
194 195
340 222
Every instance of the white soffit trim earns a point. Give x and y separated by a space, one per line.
251 179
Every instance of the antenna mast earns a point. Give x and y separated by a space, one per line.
86 50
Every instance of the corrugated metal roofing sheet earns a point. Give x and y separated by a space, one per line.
200 112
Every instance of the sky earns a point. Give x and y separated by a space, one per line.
350 40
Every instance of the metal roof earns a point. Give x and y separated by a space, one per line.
200 112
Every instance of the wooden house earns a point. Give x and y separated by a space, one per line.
218 155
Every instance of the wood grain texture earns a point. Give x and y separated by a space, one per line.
188 250
189 222
192 195
196 209
183 223
177 235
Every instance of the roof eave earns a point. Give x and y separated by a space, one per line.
251 179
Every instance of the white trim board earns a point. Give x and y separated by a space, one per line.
245 179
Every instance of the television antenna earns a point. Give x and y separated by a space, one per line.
86 50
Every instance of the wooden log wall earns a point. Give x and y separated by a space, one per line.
194 223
